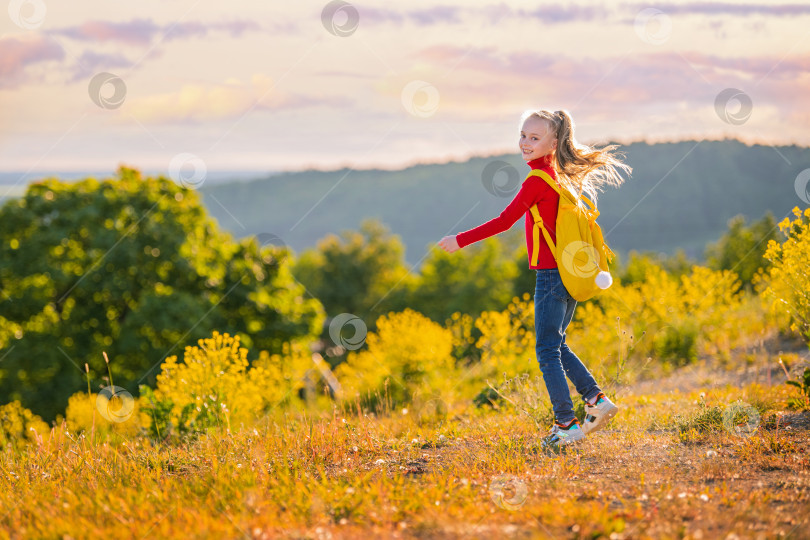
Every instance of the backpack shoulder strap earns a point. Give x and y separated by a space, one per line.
538 220
564 192
538 226
545 176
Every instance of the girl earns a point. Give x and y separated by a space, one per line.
547 142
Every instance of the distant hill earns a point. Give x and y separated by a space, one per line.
680 195
14 183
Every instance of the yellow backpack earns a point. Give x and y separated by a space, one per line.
581 253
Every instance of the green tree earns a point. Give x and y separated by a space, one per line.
742 248
133 267
359 272
474 279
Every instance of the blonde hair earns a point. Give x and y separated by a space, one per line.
581 169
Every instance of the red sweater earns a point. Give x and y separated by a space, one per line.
534 190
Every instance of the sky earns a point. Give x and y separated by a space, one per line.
272 85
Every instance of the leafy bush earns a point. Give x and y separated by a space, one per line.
639 265
407 354
83 414
707 419
737 418
803 385
507 342
669 315
677 344
742 247
465 336
214 387
128 265
18 425
470 281
668 320
789 281
355 271
658 318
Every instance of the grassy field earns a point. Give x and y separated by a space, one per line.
674 463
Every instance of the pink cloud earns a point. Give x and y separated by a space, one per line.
193 29
444 14
761 66
671 73
730 8
427 16
134 32
560 13
16 54
143 31
436 14
620 83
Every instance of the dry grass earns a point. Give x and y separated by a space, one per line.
475 474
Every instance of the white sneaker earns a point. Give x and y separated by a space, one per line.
598 415
560 435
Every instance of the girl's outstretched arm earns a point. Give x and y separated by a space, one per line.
449 244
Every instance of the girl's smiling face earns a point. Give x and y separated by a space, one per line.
536 138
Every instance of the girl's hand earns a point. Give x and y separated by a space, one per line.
449 244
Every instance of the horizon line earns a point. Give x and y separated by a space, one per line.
399 167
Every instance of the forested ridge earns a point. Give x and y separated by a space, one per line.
680 195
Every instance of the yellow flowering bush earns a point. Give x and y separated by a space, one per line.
507 340
213 386
465 335
278 377
408 354
90 413
789 279
658 316
19 425
661 317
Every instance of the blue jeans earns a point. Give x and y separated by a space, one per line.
553 310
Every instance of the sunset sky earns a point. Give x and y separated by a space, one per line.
269 85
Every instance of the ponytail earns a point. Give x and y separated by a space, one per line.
582 169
